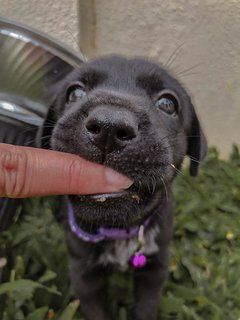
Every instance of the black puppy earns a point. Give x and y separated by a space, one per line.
130 115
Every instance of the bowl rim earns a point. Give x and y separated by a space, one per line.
26 33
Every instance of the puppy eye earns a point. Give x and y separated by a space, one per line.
167 103
75 92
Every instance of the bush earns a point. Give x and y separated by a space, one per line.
204 277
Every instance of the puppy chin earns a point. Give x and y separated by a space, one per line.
120 210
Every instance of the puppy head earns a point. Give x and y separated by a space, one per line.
130 115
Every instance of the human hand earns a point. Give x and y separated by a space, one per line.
28 172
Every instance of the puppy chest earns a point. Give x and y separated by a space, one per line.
120 252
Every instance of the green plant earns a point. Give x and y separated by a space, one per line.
204 273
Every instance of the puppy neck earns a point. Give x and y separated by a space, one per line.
103 233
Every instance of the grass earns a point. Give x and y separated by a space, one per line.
204 277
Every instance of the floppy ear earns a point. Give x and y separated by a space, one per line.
45 131
197 144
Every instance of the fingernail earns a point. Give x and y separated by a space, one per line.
117 180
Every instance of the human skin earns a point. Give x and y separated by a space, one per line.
28 172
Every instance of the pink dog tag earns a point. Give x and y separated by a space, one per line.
139 260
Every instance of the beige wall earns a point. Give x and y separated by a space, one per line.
59 18
202 36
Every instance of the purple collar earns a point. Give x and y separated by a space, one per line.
102 233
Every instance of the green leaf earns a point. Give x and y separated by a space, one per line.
24 285
190 314
70 310
185 293
122 314
38 314
48 275
171 304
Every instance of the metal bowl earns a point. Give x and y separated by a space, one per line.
31 65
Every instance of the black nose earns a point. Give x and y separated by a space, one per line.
111 128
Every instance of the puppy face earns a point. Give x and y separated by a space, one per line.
130 115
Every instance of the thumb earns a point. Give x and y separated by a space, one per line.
27 172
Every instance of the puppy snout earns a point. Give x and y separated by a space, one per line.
111 129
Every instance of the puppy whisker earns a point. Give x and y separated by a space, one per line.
154 183
174 55
188 75
40 138
175 169
165 188
189 69
51 126
49 121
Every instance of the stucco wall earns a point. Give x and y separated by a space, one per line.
200 37
58 18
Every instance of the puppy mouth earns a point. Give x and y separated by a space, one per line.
119 209
134 198
115 196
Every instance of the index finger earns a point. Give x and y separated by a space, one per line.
27 172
